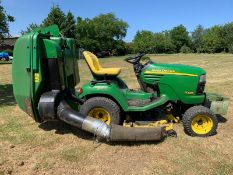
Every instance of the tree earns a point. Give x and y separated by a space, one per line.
129 47
143 42
101 33
66 23
159 41
109 30
120 48
179 37
213 40
228 36
70 25
197 38
55 16
5 19
163 43
85 35
30 28
185 49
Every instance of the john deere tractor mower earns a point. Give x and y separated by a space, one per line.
45 74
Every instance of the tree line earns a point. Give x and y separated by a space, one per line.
216 39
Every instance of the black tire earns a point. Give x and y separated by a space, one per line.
102 102
193 112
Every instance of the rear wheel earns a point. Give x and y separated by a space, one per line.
200 121
103 109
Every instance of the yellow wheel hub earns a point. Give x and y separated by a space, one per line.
101 114
202 124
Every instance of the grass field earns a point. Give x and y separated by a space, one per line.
27 147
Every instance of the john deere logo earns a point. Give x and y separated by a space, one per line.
163 70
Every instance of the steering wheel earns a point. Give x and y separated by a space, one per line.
135 59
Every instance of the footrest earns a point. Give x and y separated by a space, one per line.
137 102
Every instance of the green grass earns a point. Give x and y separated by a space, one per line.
56 148
73 154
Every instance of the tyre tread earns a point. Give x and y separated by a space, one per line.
99 102
192 112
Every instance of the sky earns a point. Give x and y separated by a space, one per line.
153 15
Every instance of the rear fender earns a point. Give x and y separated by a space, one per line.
104 89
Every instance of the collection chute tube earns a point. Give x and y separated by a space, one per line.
107 132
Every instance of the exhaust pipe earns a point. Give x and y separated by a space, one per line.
109 133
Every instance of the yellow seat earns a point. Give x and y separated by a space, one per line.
96 68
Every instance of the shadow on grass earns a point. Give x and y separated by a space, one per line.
6 95
221 119
136 143
63 128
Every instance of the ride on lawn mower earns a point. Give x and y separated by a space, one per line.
45 73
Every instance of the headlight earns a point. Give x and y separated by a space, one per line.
202 78
201 84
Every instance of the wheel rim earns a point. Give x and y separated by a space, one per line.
202 124
101 114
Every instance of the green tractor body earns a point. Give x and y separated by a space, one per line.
173 89
43 61
45 73
167 83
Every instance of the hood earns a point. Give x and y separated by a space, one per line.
175 69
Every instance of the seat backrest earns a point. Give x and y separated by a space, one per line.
92 62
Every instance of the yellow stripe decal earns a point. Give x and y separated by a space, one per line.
170 73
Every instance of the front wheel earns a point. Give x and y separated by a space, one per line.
200 121
103 109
